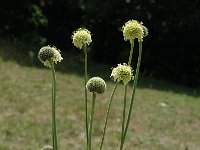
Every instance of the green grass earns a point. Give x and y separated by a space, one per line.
25 110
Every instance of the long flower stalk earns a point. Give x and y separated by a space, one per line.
125 90
86 101
124 112
54 131
48 56
107 114
91 121
122 73
133 94
81 38
95 85
131 52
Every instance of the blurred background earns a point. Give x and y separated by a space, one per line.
171 51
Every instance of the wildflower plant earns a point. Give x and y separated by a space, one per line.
132 30
81 38
96 85
123 72
48 56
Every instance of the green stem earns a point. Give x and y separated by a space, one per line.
91 120
52 108
125 91
86 101
124 113
133 92
131 52
107 114
54 132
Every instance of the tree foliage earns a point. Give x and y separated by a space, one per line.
170 50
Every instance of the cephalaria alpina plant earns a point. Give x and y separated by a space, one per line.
48 56
95 85
81 39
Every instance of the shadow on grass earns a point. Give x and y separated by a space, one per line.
73 62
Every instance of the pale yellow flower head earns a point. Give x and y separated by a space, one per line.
96 85
81 37
133 30
48 53
122 73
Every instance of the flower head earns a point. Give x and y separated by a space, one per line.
122 73
47 54
81 37
96 85
132 30
47 148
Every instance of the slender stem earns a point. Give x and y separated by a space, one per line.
124 113
107 114
133 92
91 120
131 52
86 101
125 91
54 132
52 108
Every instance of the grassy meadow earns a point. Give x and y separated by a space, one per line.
165 116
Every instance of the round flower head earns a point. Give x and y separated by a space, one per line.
96 85
132 30
47 54
81 37
122 73
47 148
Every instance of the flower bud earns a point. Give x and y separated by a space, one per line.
47 54
96 85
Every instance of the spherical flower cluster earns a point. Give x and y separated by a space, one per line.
47 148
81 37
122 73
132 30
96 85
47 54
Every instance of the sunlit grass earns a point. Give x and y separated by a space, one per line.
165 117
